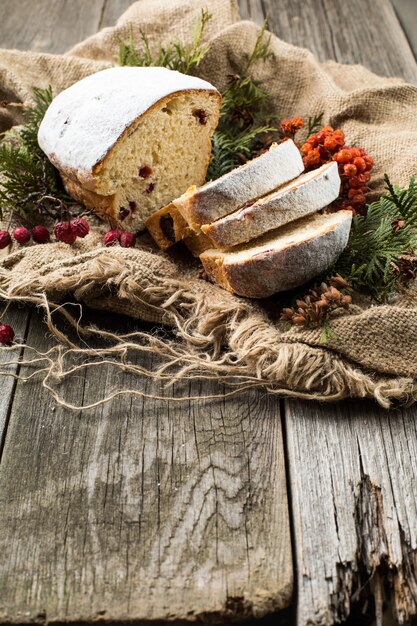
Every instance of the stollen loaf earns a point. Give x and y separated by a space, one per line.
127 140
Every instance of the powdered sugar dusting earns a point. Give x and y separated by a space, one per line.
86 120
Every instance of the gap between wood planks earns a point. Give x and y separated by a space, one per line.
351 466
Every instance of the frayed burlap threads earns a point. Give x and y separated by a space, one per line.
216 335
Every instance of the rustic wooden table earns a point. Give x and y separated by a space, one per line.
146 511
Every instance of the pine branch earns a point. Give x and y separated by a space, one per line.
229 151
378 240
175 55
314 123
29 183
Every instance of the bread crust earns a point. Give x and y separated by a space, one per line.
274 270
103 206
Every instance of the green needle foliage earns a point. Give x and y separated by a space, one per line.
175 55
238 136
242 116
379 239
29 183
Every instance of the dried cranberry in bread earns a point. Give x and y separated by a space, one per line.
127 140
283 259
303 196
220 197
167 226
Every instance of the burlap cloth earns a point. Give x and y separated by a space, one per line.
375 350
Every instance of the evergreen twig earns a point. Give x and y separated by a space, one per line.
379 239
175 55
29 183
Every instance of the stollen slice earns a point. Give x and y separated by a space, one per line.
217 198
201 205
305 195
283 259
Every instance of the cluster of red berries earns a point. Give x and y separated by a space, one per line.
23 235
117 235
67 232
6 334
63 231
354 165
289 127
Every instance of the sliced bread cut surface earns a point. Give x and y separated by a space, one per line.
280 164
305 195
281 260
129 139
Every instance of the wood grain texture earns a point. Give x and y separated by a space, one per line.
112 10
18 318
142 510
406 11
354 499
351 465
358 31
48 25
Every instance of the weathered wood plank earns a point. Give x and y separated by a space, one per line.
18 318
48 26
352 466
407 14
353 484
142 509
358 31
112 10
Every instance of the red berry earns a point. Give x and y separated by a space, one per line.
360 164
21 234
313 141
306 148
112 237
343 156
354 182
330 143
40 234
369 162
358 199
353 192
127 240
80 227
63 232
5 239
350 169
327 129
6 334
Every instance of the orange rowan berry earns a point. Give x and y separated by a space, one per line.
350 169
306 148
360 164
358 199
344 156
369 161
330 143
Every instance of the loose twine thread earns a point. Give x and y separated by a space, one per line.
252 359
